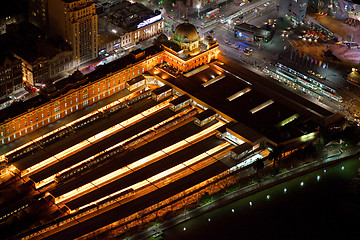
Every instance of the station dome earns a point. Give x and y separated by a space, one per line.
185 33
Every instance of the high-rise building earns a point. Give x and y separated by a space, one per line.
76 22
295 10
38 13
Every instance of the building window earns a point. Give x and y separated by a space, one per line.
57 109
57 116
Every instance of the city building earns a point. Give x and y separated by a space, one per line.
337 8
126 24
236 117
294 10
11 77
42 58
183 53
181 57
76 22
38 13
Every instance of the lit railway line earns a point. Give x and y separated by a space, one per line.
140 189
165 174
19 151
116 149
135 165
98 137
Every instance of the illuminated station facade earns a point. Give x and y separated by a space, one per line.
236 115
183 52
183 58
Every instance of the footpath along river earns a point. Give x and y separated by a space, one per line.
324 204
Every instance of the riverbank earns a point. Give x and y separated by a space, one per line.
246 191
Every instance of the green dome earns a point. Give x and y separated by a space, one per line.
185 33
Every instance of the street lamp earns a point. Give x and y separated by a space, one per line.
198 8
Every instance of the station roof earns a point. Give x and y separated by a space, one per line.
242 131
265 121
205 114
180 100
242 148
136 80
161 90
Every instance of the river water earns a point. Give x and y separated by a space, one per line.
324 204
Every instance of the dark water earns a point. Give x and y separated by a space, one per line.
325 206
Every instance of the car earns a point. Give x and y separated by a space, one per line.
211 31
170 16
249 49
246 52
319 76
311 72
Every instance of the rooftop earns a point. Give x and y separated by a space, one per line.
72 82
265 120
128 15
205 114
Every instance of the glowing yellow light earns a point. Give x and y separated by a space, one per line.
135 165
98 137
